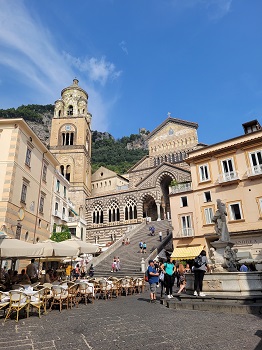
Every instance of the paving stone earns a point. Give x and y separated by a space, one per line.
132 323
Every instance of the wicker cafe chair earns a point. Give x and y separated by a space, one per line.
139 285
127 285
72 295
86 291
4 301
38 301
104 288
115 286
59 297
18 301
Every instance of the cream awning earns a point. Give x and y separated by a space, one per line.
83 247
14 248
183 253
51 248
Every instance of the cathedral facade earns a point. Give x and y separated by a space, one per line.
143 193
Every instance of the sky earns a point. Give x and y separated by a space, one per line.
138 60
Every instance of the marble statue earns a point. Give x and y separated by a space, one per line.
230 256
220 222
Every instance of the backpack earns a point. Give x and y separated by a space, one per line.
198 261
146 275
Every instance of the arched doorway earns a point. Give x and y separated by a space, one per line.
149 207
165 203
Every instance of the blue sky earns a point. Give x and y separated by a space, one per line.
200 60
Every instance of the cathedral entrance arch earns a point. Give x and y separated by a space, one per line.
164 183
149 207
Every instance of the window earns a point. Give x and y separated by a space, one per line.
207 196
44 173
57 185
63 213
203 172
39 225
28 156
64 192
23 193
68 171
208 215
70 110
256 162
130 209
41 204
184 201
235 211
228 169
186 224
26 236
67 138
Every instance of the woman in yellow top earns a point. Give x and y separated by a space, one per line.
68 270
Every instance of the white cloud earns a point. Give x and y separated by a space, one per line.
215 9
99 70
123 47
30 55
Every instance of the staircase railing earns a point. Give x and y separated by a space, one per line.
157 250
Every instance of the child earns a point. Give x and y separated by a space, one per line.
182 278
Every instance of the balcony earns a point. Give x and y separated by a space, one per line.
57 213
228 178
183 187
64 217
255 171
186 232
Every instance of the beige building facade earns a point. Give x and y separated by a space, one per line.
232 172
27 174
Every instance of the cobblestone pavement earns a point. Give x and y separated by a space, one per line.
131 323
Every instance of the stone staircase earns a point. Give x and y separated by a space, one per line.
130 255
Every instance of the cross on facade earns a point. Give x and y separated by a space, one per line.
168 114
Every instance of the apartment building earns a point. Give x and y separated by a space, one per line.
27 172
231 171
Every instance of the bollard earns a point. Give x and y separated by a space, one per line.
143 265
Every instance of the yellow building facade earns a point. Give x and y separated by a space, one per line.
27 174
232 172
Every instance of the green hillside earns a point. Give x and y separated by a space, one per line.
106 151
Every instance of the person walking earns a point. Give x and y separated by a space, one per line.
144 247
91 270
141 246
160 236
169 269
118 264
152 280
182 278
199 272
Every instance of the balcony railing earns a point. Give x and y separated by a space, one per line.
254 170
183 187
186 232
57 213
228 177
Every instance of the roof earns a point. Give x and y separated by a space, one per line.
172 120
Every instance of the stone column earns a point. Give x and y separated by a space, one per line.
158 211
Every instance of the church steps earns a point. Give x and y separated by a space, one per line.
130 255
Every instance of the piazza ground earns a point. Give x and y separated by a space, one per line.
132 323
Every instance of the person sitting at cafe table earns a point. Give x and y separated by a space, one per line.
24 278
15 277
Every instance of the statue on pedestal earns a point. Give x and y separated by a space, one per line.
220 222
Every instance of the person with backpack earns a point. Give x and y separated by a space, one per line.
152 280
200 267
141 246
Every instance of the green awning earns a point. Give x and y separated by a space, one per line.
72 210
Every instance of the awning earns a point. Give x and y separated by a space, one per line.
72 210
183 253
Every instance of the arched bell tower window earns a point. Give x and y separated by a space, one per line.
59 113
67 138
70 110
62 170
68 172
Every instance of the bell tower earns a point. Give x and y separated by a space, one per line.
70 142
